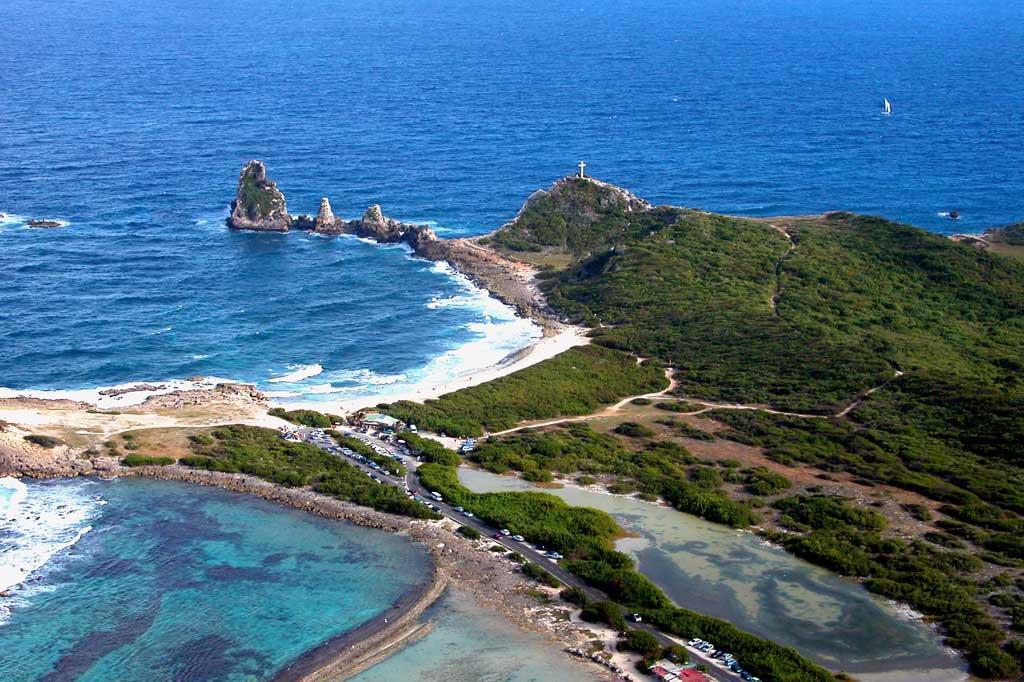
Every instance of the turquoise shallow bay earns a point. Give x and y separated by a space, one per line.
184 582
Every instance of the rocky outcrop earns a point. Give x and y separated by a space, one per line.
240 395
259 204
326 222
378 227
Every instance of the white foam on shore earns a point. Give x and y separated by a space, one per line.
38 524
497 333
299 373
131 398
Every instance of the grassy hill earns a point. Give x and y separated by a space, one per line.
809 315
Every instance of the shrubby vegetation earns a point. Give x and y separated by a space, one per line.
1008 234
808 323
659 469
468 532
144 460
640 641
430 450
634 430
535 572
934 581
576 382
263 453
43 441
311 418
585 537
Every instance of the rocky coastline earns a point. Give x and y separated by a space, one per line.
260 206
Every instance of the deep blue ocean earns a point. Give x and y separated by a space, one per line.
130 119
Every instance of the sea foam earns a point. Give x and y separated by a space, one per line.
39 523
299 373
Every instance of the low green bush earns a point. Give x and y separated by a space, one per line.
634 430
43 441
537 573
468 532
310 418
145 460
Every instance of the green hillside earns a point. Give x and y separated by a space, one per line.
921 337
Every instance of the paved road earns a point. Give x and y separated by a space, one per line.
411 482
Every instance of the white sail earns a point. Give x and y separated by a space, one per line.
887 107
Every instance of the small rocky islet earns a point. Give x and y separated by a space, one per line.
260 206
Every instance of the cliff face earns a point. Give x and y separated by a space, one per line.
259 204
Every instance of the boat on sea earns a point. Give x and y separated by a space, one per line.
886 107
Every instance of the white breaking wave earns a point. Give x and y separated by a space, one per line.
451 302
37 524
282 394
12 219
300 373
366 377
128 399
496 334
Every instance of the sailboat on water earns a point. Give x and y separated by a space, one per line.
886 106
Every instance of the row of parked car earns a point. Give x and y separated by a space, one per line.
506 533
724 657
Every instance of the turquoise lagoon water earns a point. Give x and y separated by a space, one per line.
149 580
470 643
762 589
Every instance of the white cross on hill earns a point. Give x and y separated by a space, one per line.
583 165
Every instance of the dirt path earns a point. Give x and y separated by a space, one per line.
860 399
609 411
707 406
773 303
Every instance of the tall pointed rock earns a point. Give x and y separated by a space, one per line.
259 204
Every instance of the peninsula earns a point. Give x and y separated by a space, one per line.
846 386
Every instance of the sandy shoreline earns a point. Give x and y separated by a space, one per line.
557 341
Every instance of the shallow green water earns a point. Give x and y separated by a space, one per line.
181 582
736 576
469 643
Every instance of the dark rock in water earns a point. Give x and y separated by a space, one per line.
378 227
259 204
326 222
954 215
44 223
303 221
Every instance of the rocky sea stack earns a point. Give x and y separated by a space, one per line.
259 204
326 222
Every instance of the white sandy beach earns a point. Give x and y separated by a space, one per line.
543 349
